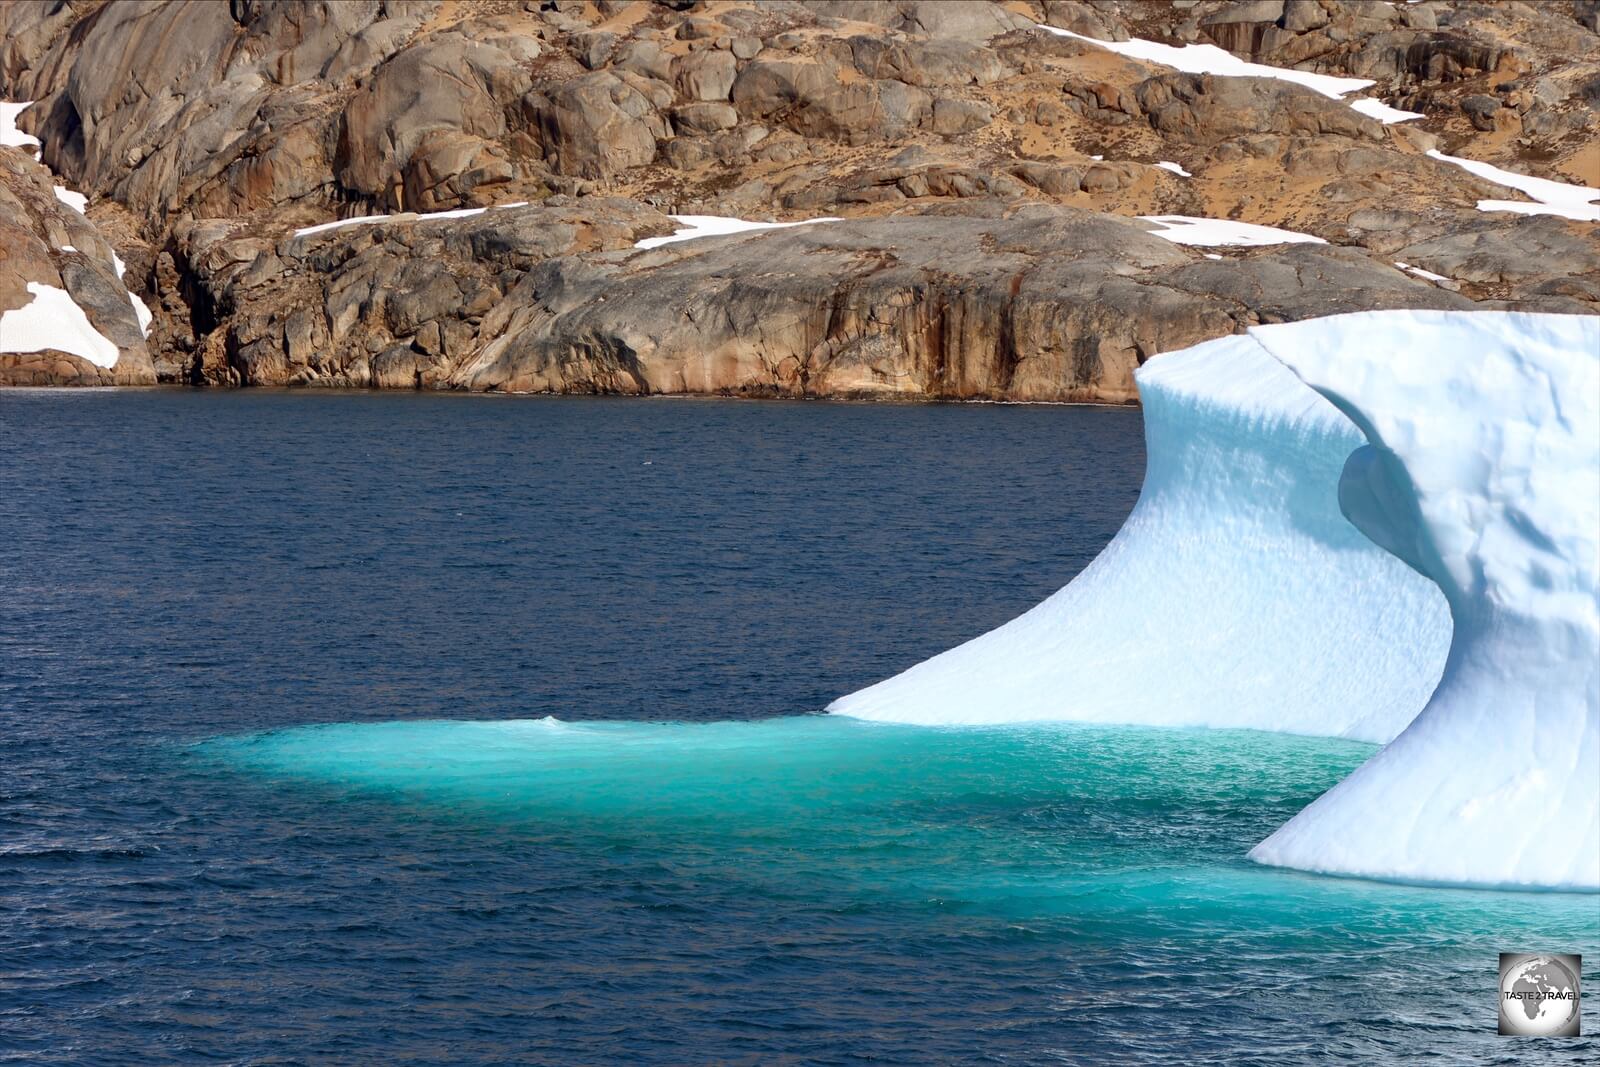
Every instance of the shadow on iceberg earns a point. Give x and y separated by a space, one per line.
1236 594
1482 472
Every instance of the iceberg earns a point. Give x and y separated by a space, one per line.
1236 594
1482 471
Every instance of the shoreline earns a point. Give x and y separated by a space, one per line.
862 400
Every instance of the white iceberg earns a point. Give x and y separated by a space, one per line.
1239 594
1483 472
1235 595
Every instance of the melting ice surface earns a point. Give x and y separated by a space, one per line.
1482 472
1236 594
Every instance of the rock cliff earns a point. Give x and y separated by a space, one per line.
504 160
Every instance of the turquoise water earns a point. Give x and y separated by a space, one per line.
1133 832
689 868
1112 857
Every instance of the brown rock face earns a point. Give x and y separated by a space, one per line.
1061 304
990 176
46 243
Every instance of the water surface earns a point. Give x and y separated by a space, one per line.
345 727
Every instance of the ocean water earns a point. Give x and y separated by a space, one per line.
342 728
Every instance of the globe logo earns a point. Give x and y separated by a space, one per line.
1539 994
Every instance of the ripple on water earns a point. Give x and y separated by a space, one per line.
187 875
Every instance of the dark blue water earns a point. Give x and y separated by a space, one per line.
185 876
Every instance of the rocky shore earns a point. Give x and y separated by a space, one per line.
496 166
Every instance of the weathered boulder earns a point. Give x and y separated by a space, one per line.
808 97
706 75
419 136
596 125
937 63
1204 109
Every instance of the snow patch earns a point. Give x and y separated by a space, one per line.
1482 471
1554 198
1236 594
429 216
52 319
1174 168
141 310
1581 213
1209 59
1189 230
76 201
1374 108
694 226
1419 272
9 134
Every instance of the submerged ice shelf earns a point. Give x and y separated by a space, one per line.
1235 595
1239 593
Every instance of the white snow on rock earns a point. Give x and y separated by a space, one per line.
694 226
1553 198
1209 59
1236 594
1419 272
1174 168
141 310
1374 108
52 319
1189 230
76 201
1482 471
9 134
429 216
